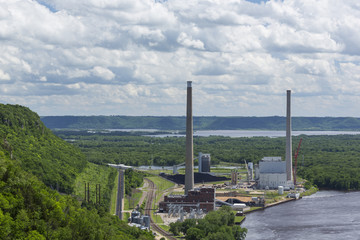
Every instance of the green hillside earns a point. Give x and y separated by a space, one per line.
29 209
201 123
37 149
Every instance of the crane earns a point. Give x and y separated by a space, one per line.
295 157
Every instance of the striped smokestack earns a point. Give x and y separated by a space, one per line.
189 162
289 171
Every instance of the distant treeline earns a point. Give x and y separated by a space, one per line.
201 123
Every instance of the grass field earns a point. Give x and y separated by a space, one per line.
162 184
93 174
130 202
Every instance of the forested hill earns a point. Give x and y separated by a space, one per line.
37 150
201 123
31 210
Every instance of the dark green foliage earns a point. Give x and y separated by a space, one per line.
329 161
133 179
30 210
175 228
37 149
200 123
194 234
216 225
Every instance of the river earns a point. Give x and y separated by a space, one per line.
257 133
323 215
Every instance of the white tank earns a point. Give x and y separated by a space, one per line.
238 206
281 190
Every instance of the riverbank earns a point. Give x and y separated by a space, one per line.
309 192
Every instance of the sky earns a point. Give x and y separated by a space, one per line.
134 57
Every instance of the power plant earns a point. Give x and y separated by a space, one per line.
273 172
200 198
270 173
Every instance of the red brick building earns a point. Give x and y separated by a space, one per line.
202 198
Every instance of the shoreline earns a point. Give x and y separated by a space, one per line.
271 205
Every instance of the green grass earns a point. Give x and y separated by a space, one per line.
161 183
157 218
93 174
177 193
157 172
114 195
130 202
239 218
126 216
309 192
252 209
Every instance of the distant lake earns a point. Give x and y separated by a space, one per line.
257 133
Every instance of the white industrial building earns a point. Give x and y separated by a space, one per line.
272 173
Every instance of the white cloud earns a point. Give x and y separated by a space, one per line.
4 76
103 73
134 57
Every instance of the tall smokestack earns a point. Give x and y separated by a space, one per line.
288 137
189 163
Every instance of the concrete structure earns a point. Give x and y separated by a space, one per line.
204 162
288 159
199 198
272 173
189 162
234 177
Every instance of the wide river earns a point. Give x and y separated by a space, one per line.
324 215
256 133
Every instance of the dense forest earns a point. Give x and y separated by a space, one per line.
37 149
327 161
32 161
200 123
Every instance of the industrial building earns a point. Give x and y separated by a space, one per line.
272 172
204 162
140 221
199 198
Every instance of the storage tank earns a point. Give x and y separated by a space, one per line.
281 190
146 221
238 206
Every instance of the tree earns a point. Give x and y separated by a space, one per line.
194 234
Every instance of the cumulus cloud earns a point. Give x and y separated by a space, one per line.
134 57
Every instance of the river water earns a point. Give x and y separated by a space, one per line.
257 133
323 215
